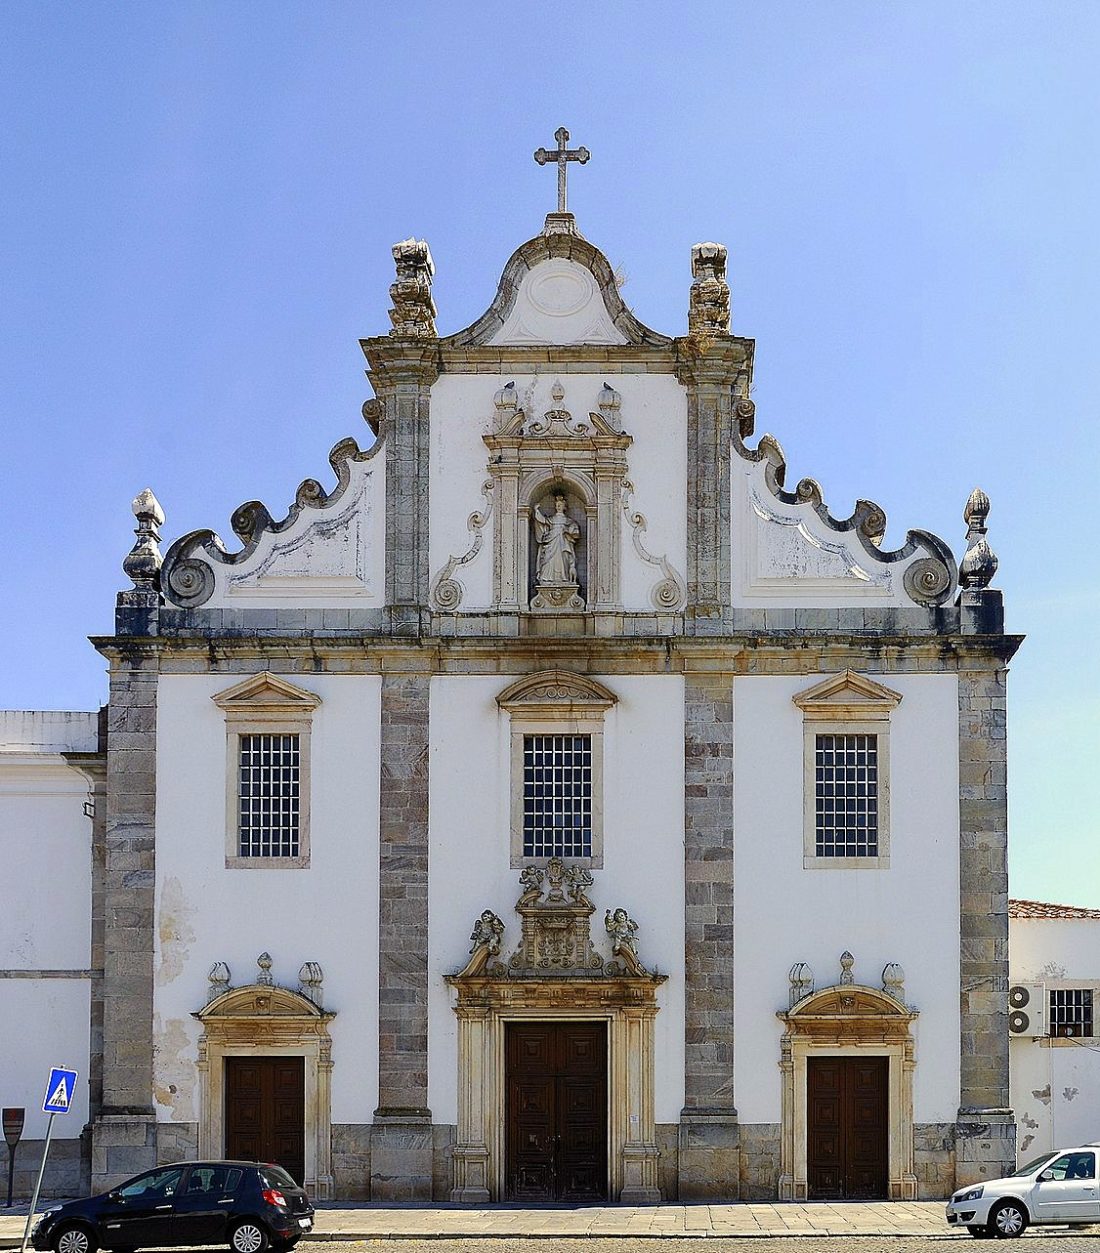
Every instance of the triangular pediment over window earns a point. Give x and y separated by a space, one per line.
268 692
848 692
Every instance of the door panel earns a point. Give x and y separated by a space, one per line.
265 1111
847 1128
556 1111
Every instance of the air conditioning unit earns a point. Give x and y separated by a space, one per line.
1027 1009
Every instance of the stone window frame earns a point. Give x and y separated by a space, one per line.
265 704
555 702
845 704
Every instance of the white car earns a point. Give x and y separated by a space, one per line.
1059 1187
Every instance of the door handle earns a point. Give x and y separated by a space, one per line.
228 1201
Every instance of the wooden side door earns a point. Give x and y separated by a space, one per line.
556 1111
847 1127
265 1111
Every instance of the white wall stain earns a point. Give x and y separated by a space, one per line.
1042 1094
174 930
1070 1093
174 1068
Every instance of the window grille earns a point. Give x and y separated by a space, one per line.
270 767
1070 1011
557 796
846 770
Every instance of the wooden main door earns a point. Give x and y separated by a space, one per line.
556 1111
265 1111
847 1132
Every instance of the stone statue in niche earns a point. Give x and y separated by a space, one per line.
557 536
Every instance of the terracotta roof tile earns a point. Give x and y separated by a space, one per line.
1041 909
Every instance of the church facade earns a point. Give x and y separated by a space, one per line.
561 805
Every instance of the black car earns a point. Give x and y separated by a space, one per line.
248 1205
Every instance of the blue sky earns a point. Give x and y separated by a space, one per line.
198 202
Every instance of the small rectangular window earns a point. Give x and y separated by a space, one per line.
1070 1011
557 796
846 773
269 795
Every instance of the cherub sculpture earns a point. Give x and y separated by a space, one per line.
486 937
623 929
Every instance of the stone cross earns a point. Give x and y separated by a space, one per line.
561 155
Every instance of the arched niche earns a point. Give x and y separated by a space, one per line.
262 1020
847 1020
580 507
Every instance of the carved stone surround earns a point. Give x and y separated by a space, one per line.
261 1019
555 973
847 1019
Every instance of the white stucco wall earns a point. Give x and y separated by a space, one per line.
654 413
327 913
1055 1085
45 918
643 853
907 913
45 1023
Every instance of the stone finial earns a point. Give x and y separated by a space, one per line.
219 981
709 308
979 563
801 979
610 406
413 312
310 983
893 981
143 562
847 961
264 963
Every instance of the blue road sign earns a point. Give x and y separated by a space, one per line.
59 1091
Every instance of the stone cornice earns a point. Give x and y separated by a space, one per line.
733 654
575 358
716 362
396 360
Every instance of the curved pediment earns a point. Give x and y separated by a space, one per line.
554 689
849 1000
556 289
260 1000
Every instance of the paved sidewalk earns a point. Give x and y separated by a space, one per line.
337 1221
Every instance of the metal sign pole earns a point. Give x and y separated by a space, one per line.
37 1186
11 1172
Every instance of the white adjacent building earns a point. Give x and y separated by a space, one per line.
559 804
1054 1015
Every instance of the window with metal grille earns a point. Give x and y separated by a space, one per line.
269 778
557 796
846 770
1070 1011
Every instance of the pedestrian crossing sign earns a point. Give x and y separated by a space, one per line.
59 1091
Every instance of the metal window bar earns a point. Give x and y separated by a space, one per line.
268 797
1070 1012
846 773
557 796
